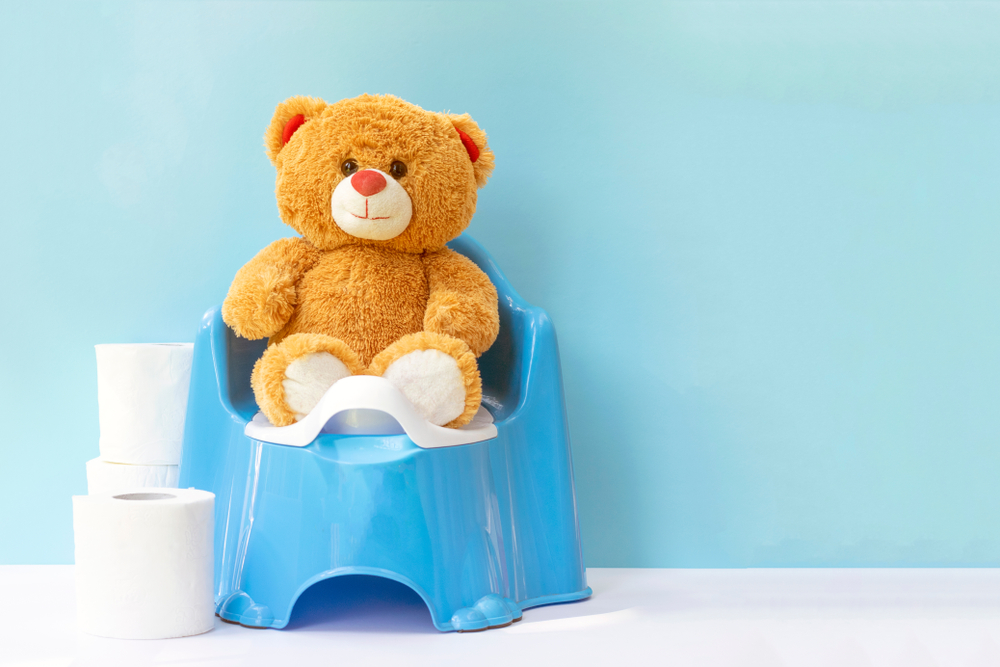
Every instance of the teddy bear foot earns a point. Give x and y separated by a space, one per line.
437 373
293 375
307 379
432 381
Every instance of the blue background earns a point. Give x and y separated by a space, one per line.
767 234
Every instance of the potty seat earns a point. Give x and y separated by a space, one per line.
480 521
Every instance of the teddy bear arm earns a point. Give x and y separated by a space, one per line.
462 302
263 294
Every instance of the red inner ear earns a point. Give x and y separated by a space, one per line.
294 123
470 146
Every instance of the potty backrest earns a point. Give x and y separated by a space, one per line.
501 367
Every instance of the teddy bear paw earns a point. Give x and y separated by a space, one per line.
432 381
307 379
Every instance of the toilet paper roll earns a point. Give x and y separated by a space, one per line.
144 563
106 477
142 392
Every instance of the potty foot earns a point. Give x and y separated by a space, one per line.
240 609
491 611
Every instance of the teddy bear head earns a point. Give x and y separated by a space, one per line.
375 170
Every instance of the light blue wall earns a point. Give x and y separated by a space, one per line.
769 236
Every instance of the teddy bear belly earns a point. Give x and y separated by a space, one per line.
367 297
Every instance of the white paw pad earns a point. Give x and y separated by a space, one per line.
307 379
431 380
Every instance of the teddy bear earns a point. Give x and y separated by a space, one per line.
376 187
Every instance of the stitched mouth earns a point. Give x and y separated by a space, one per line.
365 216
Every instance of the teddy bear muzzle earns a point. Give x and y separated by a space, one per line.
370 204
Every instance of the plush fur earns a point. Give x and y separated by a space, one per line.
368 302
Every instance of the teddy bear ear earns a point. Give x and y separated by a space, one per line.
475 144
290 115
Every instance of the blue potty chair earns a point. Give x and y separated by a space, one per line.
481 521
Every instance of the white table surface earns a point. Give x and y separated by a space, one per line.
767 618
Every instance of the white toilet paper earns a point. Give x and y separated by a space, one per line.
144 563
142 392
106 477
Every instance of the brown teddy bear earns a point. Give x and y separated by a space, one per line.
376 187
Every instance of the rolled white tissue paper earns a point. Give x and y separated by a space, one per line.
144 563
106 477
142 392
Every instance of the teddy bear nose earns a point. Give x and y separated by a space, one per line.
368 182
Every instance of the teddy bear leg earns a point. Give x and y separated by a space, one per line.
437 373
293 375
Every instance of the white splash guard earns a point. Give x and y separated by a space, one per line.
355 397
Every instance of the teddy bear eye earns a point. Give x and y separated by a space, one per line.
349 167
397 169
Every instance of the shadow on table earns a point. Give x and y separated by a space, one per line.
360 603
